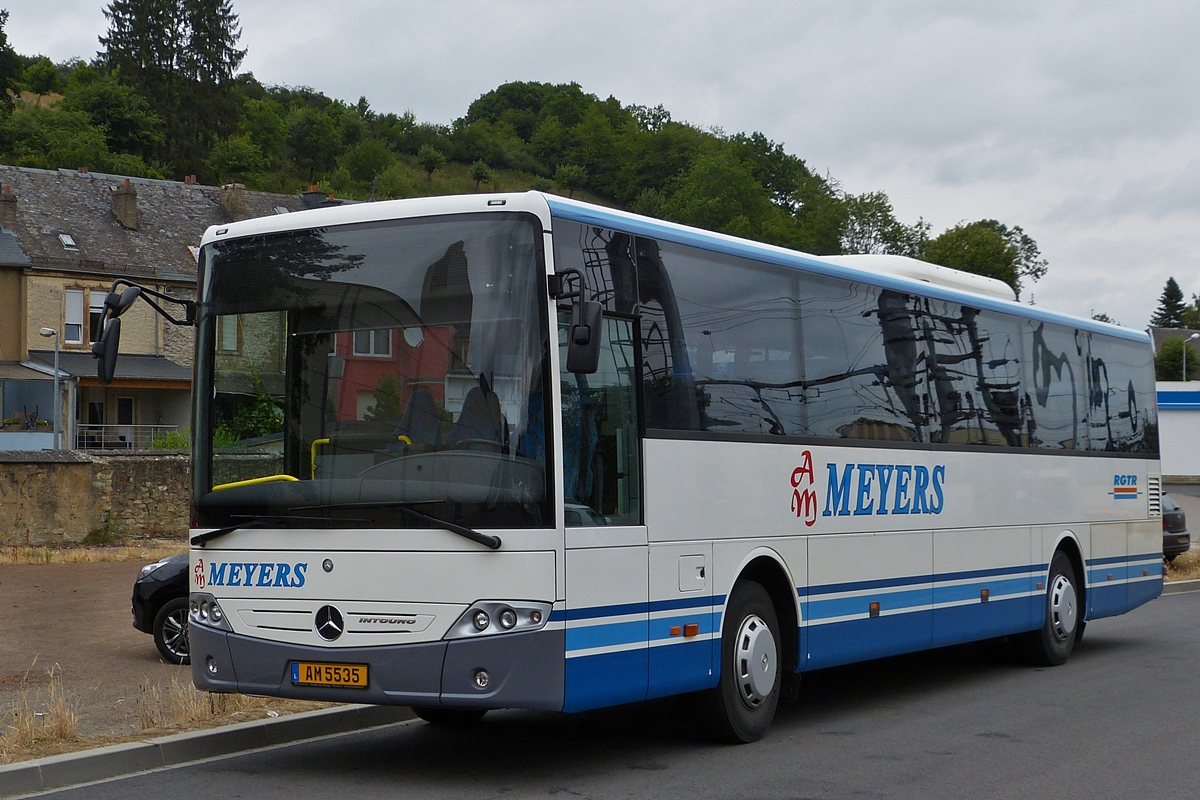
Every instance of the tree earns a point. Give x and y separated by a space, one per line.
431 160
1101 316
367 160
480 174
570 177
1170 307
236 158
10 64
871 227
129 123
42 78
181 55
313 141
1191 314
719 193
1168 362
989 248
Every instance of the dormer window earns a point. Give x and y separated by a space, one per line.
68 243
281 210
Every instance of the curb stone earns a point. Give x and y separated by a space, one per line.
1178 587
102 763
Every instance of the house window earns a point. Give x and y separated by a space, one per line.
68 243
95 313
373 343
74 319
229 334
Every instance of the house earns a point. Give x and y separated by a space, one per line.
65 236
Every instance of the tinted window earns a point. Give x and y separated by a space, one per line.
862 362
1057 384
741 339
974 375
1120 395
604 257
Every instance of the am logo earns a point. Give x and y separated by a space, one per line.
804 494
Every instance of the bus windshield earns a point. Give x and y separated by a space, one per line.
382 375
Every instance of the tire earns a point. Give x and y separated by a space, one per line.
450 717
745 699
1052 645
171 632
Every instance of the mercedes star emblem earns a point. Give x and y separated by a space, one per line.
329 623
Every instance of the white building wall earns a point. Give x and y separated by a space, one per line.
1179 427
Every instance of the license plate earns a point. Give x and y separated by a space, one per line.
309 673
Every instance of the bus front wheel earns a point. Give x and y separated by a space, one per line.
1052 645
747 695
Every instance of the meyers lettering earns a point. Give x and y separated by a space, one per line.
882 489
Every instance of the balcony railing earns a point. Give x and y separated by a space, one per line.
119 437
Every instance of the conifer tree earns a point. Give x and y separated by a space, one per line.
1170 307
182 56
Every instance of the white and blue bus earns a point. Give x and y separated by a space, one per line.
517 451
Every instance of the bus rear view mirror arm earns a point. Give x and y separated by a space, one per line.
116 303
583 340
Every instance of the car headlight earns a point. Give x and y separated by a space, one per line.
149 568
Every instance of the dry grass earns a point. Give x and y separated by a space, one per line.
47 718
152 550
176 708
1185 568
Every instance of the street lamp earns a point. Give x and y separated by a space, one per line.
57 395
1191 338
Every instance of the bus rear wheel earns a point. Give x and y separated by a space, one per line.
747 695
450 717
1052 645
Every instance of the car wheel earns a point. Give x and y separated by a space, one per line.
450 717
171 631
1052 645
747 695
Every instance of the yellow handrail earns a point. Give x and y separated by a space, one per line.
317 442
313 450
253 481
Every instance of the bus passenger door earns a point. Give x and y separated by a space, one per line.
607 569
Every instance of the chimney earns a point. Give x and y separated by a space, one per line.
8 208
189 180
233 200
124 205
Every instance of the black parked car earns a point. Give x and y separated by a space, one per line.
1176 539
160 606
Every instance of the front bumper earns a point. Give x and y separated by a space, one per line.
527 670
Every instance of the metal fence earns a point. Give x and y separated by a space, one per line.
124 437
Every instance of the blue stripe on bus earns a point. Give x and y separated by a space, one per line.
971 591
595 612
794 259
613 633
891 601
858 586
1092 562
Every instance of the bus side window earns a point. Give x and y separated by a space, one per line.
601 456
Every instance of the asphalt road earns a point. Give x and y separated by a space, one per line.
1119 720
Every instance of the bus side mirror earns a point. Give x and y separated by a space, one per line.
583 347
105 351
117 303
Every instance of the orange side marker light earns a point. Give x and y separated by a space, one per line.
676 630
691 629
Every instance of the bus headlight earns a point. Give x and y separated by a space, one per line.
203 609
510 616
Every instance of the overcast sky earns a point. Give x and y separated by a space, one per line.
1077 121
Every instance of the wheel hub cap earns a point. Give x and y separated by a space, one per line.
1063 610
755 661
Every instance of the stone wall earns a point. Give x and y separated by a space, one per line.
56 498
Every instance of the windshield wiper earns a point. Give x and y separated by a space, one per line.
485 539
200 539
